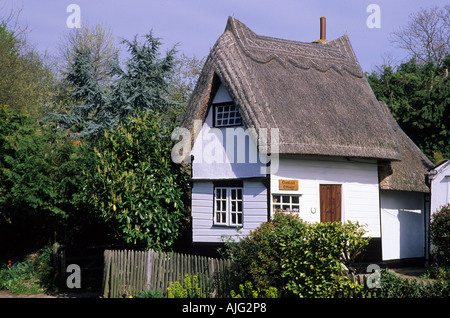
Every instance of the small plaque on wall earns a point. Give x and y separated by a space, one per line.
291 185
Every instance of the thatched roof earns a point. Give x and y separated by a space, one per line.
315 94
409 174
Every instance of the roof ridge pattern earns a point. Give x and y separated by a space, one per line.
337 54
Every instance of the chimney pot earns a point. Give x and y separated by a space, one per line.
323 28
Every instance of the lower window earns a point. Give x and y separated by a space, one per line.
228 206
285 203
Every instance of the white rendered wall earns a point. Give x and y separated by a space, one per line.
360 192
211 158
402 219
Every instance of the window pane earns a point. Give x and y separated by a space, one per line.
286 199
239 191
240 206
233 194
295 208
240 218
233 218
286 208
295 199
227 115
233 206
276 199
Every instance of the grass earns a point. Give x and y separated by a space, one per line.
33 275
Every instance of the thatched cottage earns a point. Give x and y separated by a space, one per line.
279 125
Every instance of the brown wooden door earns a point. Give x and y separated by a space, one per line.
330 202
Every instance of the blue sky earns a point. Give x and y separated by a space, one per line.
196 24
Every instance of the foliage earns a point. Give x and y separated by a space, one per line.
40 179
32 276
135 186
440 234
312 258
25 80
393 286
141 86
247 291
297 257
438 271
150 293
182 83
418 97
188 289
99 41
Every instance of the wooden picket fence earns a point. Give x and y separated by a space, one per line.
127 272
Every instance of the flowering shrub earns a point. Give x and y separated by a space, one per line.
246 290
188 289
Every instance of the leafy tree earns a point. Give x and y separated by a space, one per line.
99 41
40 179
141 85
418 97
135 186
25 80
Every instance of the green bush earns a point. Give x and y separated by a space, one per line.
393 286
440 235
295 257
150 293
312 258
134 185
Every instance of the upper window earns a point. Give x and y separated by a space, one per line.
226 114
228 206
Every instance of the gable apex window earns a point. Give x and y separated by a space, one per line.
226 114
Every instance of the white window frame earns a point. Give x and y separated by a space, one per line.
229 208
226 114
285 202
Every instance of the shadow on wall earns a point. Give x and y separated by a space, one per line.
403 232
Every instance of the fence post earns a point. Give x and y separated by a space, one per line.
106 273
150 260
